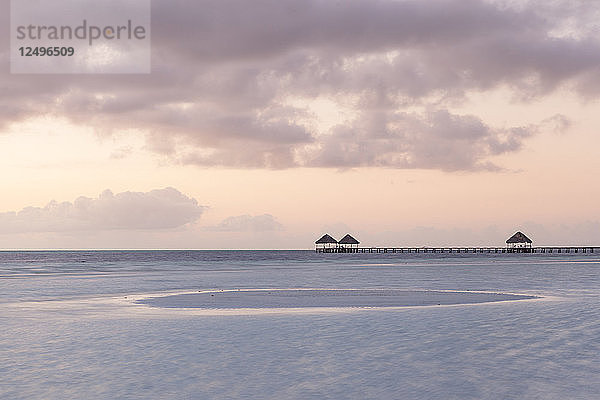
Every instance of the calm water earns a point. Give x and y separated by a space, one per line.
65 336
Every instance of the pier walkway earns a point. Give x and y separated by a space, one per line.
457 250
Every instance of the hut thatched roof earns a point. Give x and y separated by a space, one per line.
519 237
326 239
348 240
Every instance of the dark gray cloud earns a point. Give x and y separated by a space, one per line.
223 72
158 209
248 223
231 30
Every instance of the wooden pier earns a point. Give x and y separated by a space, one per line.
462 250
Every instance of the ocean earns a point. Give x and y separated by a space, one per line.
74 325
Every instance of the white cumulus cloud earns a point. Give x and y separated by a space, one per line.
158 209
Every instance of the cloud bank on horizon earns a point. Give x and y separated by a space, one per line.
231 82
155 210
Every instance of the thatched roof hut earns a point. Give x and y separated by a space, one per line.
326 239
326 242
518 240
348 240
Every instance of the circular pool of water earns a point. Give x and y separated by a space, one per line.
332 298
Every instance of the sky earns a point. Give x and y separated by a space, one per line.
267 123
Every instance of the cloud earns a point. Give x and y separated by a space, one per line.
223 98
155 210
436 139
248 223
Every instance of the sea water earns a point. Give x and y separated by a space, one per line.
71 328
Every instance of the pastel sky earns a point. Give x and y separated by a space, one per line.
266 123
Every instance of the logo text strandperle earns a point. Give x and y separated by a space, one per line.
81 32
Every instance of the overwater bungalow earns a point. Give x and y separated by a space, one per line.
347 242
519 241
326 242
